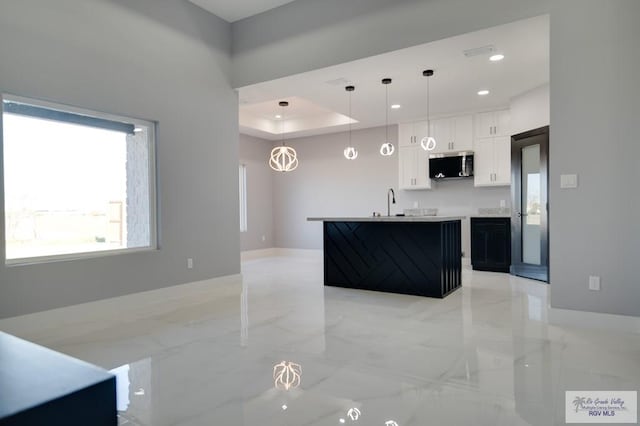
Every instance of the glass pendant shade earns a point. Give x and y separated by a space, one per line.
387 149
283 158
350 153
428 143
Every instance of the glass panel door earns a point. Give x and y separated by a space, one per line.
529 222
530 216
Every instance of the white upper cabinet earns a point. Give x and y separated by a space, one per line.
405 134
492 124
453 134
483 162
442 131
413 168
492 149
410 134
492 161
502 152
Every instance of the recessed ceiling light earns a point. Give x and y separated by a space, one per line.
483 92
396 106
496 57
278 116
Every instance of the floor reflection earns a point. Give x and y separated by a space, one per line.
205 355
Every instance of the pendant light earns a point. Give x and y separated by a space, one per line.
350 152
283 158
428 143
387 148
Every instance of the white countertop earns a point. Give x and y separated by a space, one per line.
499 215
388 219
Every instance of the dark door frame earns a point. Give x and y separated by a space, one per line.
519 141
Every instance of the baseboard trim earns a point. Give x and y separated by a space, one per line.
280 252
257 254
34 326
594 320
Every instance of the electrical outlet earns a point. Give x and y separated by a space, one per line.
594 283
503 204
264 238
189 263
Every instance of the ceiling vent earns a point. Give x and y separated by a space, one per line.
339 82
477 51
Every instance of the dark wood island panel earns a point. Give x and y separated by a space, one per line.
413 257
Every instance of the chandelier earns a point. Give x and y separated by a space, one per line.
387 148
350 152
283 158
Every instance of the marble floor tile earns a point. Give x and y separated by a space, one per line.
204 354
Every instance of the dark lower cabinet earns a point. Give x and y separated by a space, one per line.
491 243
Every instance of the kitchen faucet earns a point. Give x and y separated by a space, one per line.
393 195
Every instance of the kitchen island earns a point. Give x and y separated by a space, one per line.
397 254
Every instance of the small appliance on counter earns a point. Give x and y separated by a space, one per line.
451 166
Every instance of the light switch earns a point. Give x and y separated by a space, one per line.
568 181
594 283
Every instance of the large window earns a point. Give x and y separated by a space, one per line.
76 182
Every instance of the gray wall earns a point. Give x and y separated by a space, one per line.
161 60
326 184
309 34
595 106
530 110
254 153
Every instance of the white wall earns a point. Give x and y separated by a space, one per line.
326 184
595 106
309 34
162 60
530 110
254 153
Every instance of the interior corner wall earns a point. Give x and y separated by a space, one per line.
254 153
310 34
326 184
161 60
595 105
